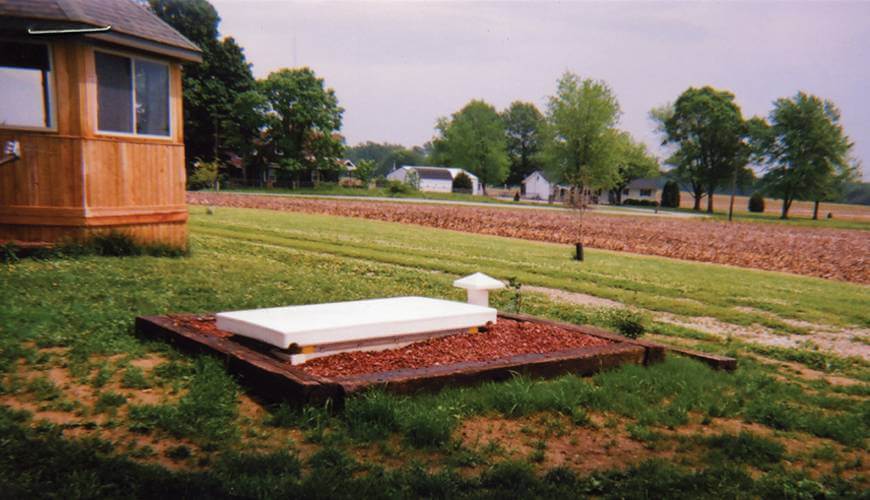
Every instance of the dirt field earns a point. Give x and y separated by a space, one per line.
827 253
774 207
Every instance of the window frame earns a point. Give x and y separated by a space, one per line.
52 93
645 193
132 58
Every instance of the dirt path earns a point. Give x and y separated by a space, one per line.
826 253
840 341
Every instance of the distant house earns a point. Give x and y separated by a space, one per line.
433 179
345 169
538 187
641 189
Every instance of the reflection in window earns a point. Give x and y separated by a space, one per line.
133 95
25 88
114 89
152 98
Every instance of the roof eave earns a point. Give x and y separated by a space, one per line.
180 53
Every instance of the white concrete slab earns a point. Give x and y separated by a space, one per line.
316 327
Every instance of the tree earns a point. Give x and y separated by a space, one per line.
671 195
462 183
474 138
583 147
523 123
386 155
211 87
365 170
806 150
634 162
297 121
711 139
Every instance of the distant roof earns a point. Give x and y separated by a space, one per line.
433 173
539 172
643 184
132 24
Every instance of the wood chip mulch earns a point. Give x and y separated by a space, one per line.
504 339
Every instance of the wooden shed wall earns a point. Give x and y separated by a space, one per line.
73 181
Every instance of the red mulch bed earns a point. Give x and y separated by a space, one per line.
504 339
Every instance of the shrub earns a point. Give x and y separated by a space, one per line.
756 203
628 322
397 187
640 203
671 195
462 183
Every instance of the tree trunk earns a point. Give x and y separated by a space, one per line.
816 210
697 207
733 192
710 190
785 206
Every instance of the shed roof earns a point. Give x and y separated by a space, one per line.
432 173
132 24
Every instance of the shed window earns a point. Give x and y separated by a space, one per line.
132 95
646 192
25 85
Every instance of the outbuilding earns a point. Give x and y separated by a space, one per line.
433 179
91 122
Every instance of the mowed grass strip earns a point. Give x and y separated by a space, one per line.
659 284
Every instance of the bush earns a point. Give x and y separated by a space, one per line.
462 183
397 187
756 203
640 203
629 323
671 195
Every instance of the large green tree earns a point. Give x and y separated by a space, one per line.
302 122
523 123
806 150
710 137
583 146
634 162
474 138
211 87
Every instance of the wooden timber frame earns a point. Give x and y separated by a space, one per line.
72 180
272 378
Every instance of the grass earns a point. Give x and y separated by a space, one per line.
652 283
201 421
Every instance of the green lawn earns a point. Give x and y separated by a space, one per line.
91 409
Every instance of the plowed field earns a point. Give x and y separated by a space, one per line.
828 253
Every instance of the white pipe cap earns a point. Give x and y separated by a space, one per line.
478 281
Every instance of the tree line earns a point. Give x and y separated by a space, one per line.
801 147
288 122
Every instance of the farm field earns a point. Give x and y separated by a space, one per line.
773 208
89 408
828 253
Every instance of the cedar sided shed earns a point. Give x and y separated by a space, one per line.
91 92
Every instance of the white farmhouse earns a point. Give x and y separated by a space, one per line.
641 189
433 179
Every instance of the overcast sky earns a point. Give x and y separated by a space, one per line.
397 67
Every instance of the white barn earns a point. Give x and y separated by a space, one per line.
537 187
433 179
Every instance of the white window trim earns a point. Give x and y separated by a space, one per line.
52 105
169 114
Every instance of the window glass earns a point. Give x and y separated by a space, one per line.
133 95
152 98
114 93
25 80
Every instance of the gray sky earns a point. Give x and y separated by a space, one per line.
397 67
